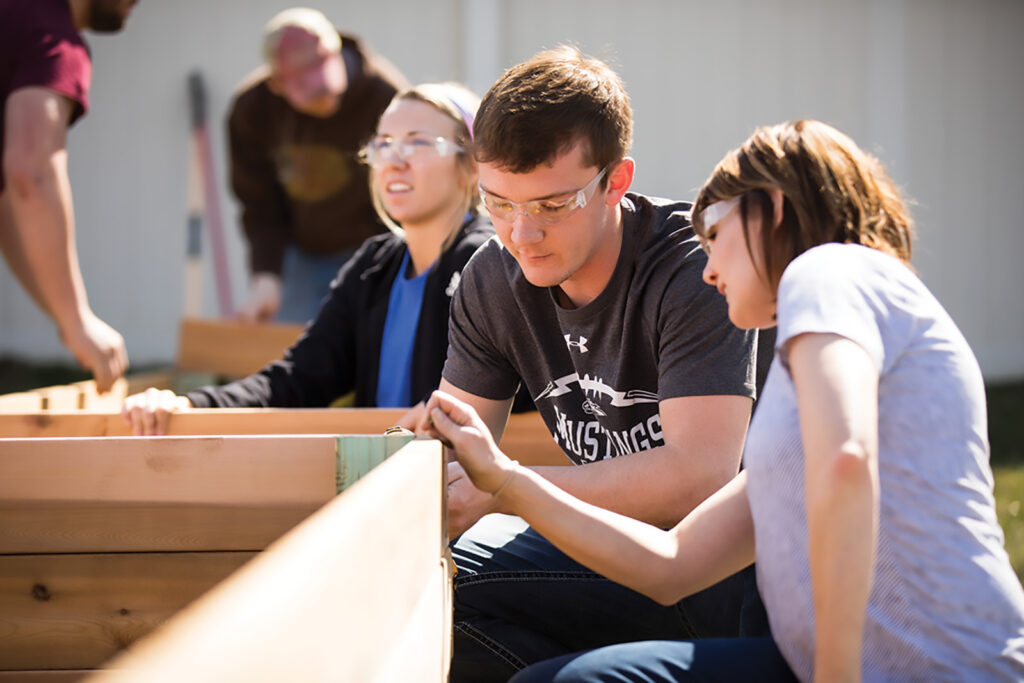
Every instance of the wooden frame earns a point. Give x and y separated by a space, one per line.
332 600
231 349
526 437
103 539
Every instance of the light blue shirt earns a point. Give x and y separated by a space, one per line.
945 603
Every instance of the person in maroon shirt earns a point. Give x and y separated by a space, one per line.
45 71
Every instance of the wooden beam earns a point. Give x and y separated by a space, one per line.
198 470
138 382
231 349
526 437
53 676
359 585
21 402
82 527
77 611
160 493
90 399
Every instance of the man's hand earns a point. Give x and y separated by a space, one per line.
412 417
149 412
466 503
98 347
264 299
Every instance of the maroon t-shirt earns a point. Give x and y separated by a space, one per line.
40 47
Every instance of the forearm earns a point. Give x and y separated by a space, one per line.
842 520
43 235
650 486
714 542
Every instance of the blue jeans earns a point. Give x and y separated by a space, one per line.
305 281
661 661
519 600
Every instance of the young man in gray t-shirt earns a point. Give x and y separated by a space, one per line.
594 298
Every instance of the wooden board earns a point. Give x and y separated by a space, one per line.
231 349
77 611
76 527
62 398
53 676
526 437
160 493
357 586
202 470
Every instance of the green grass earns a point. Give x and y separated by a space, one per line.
1010 509
1006 435
1005 417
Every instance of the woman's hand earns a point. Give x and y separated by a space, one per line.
149 412
457 424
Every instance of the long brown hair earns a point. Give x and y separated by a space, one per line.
832 192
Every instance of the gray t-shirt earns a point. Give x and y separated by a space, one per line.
597 373
945 603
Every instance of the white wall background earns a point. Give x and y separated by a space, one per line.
933 87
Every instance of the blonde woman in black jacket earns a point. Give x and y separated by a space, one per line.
382 330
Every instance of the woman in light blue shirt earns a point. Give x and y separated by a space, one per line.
866 500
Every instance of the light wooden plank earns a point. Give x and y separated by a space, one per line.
223 470
53 676
90 399
77 611
208 421
322 602
528 440
62 397
231 349
526 437
21 402
137 382
80 527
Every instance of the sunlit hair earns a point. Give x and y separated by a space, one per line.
833 192
459 104
309 20
540 109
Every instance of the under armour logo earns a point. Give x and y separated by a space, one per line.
581 344
453 283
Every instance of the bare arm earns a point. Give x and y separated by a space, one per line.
660 564
703 444
39 233
837 395
704 441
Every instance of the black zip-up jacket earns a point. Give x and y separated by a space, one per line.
340 350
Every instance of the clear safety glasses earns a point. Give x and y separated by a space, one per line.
542 211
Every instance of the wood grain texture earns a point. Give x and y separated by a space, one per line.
77 527
77 611
160 493
231 349
334 599
221 470
526 437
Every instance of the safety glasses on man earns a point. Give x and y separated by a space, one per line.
546 211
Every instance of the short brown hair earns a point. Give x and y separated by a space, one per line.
832 192
539 109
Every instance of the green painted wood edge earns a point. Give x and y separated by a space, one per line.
357 454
